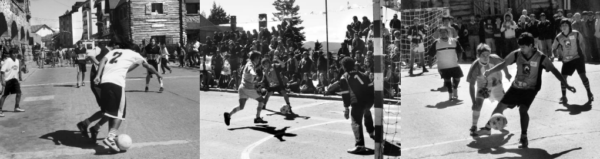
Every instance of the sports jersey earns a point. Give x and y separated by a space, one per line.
81 53
414 33
570 45
478 69
119 61
273 77
248 75
153 52
10 68
529 69
446 52
102 52
355 87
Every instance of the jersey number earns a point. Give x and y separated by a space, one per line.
114 59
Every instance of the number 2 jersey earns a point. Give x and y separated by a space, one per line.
118 63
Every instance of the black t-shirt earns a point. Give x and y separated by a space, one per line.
99 57
414 32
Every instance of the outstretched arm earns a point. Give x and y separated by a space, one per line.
151 69
100 70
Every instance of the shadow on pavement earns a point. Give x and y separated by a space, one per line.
279 134
390 149
142 91
535 153
446 104
71 139
574 109
136 77
440 89
64 85
489 143
287 116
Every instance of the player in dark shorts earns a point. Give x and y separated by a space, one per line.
10 73
96 90
80 53
274 81
573 58
153 58
527 82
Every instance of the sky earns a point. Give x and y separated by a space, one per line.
48 11
315 27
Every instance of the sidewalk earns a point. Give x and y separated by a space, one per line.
396 100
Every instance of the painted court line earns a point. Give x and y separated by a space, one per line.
135 79
78 151
38 98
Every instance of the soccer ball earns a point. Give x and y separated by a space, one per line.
498 121
285 109
124 142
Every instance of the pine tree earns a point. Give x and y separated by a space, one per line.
318 46
218 15
287 11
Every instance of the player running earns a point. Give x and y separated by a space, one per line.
527 82
10 72
113 71
153 57
446 50
573 58
274 81
487 87
96 90
247 90
81 53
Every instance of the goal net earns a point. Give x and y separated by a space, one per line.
430 17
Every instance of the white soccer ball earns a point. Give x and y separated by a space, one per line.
498 121
285 109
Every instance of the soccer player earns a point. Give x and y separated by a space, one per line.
274 81
153 57
416 34
81 61
446 50
96 90
10 73
113 70
527 82
247 90
573 57
487 87
357 91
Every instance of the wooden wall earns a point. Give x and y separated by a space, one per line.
146 24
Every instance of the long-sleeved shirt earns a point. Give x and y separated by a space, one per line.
545 27
473 28
509 29
597 28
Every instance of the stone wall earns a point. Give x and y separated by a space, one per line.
12 13
146 24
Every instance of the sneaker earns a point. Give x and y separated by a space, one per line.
77 85
1 114
83 84
146 90
473 131
19 109
160 90
563 100
259 121
357 150
523 141
455 94
227 118
590 97
83 129
484 131
111 144
94 133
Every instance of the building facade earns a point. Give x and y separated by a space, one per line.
14 24
71 26
140 20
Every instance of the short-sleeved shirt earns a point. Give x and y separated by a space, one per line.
529 69
118 63
10 68
248 75
477 70
81 54
413 33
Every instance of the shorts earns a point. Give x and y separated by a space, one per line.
113 100
96 90
153 63
569 68
248 93
454 72
496 94
420 48
519 97
275 89
81 64
12 87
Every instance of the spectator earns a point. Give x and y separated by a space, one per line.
344 49
364 28
395 25
164 60
597 35
358 46
182 54
509 28
356 25
473 32
463 35
545 28
532 27
489 34
589 37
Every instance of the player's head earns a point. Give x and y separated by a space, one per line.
152 41
565 26
265 63
395 16
255 57
543 16
347 64
483 53
526 42
416 21
443 32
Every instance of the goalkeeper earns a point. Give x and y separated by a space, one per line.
487 87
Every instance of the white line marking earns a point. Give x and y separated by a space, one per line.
134 79
30 99
246 152
79 151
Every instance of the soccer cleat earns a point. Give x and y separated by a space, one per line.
110 142
523 141
146 90
590 97
357 150
227 118
259 121
160 90
83 129
94 131
17 109
473 131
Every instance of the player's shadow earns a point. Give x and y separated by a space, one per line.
535 153
446 104
279 134
390 149
141 91
440 89
491 144
575 109
64 85
287 116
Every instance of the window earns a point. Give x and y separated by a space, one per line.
192 8
157 7
160 39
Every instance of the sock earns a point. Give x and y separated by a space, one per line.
288 103
448 85
475 118
563 89
455 81
112 134
161 84
86 122
586 84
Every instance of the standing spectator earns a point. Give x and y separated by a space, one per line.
217 64
182 54
416 34
489 34
498 40
463 35
522 25
509 28
164 58
473 32
597 34
590 40
545 28
395 25
532 27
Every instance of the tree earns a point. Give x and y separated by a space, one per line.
288 12
318 46
218 15
203 14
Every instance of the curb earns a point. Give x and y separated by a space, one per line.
310 96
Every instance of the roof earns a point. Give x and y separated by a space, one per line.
35 28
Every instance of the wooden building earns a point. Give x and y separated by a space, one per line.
467 8
137 20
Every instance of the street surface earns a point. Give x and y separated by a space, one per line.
319 131
435 128
162 125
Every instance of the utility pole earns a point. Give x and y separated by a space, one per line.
378 80
181 22
327 39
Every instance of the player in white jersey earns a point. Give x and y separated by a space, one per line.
446 50
10 73
487 87
113 71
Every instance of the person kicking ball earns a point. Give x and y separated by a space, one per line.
274 82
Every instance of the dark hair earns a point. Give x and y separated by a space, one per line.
254 55
347 63
264 60
482 48
526 39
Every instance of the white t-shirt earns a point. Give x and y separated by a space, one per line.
117 65
10 68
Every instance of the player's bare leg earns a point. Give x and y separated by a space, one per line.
113 125
586 84
148 76
17 101
258 119
2 104
227 115
476 112
563 90
78 73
